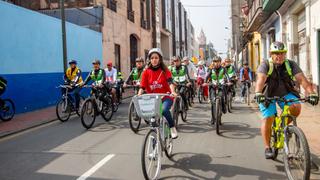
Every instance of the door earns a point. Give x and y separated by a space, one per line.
117 56
133 50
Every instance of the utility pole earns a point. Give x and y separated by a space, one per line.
64 39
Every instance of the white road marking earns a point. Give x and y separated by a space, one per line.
96 167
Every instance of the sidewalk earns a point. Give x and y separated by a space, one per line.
28 120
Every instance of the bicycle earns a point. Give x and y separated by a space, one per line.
8 110
281 135
229 96
134 119
247 91
181 104
217 92
66 105
200 94
158 139
93 107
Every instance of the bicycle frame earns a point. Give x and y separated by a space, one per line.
161 129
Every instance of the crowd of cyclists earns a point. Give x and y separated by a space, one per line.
277 76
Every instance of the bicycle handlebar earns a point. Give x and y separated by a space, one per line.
282 99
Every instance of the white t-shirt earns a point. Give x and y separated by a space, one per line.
202 73
111 76
192 70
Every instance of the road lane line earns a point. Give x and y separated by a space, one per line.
96 167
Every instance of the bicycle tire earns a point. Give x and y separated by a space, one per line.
273 141
213 118
229 104
107 108
200 96
61 103
132 117
85 109
12 108
248 95
80 104
304 144
184 111
217 123
168 139
175 113
145 147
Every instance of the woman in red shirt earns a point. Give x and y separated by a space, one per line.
156 78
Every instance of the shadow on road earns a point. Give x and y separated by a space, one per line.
191 163
238 130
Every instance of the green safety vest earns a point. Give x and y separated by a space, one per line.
214 75
179 76
135 74
288 68
97 78
230 71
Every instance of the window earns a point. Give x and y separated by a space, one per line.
112 4
142 9
117 57
130 11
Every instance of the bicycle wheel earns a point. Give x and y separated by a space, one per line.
213 112
63 110
229 102
134 120
107 110
7 113
217 115
80 105
151 155
88 113
248 95
168 141
115 106
200 95
296 158
175 112
183 110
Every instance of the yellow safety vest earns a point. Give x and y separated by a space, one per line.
72 76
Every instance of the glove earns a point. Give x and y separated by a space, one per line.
313 99
260 98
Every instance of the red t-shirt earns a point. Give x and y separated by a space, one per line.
155 81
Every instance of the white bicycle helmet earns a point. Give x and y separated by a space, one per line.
278 47
155 50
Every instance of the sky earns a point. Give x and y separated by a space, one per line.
212 20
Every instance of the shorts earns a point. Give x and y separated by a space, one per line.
271 110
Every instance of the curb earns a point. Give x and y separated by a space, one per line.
8 134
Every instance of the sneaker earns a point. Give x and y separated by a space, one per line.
174 133
268 153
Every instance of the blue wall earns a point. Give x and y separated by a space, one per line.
31 55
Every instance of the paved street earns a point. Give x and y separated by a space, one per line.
67 151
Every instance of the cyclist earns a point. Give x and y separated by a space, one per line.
3 86
231 71
192 70
201 77
180 76
276 78
98 76
157 79
135 74
219 74
245 78
111 77
73 77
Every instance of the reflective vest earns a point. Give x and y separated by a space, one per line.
215 77
97 78
136 75
119 76
230 71
72 76
287 65
179 76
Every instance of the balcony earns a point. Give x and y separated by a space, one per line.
256 16
131 15
271 5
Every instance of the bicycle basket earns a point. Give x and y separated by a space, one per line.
148 106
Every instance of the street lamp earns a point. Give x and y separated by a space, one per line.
64 39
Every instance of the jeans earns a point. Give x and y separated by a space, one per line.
76 92
166 106
244 89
